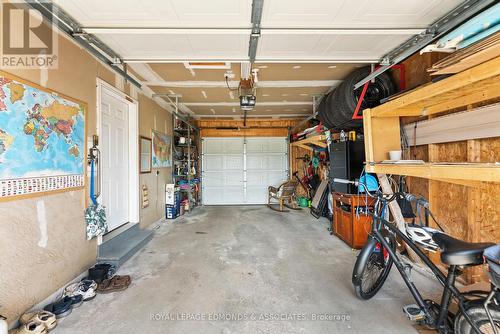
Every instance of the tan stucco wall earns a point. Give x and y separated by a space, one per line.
29 270
152 116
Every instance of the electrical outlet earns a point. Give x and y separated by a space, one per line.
229 75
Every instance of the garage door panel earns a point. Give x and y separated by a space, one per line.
276 178
223 178
256 195
256 178
266 145
267 162
236 171
223 195
223 146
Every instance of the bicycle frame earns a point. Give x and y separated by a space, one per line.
447 281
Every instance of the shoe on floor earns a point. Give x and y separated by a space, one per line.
61 308
85 288
116 283
47 318
76 300
32 327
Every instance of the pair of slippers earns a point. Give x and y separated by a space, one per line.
114 284
39 322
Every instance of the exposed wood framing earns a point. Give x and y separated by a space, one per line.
253 127
459 90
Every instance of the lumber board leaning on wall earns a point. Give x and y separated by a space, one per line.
482 122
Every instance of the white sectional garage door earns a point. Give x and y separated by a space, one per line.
239 170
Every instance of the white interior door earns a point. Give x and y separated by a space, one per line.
114 158
239 170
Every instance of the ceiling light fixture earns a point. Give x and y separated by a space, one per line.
212 110
204 94
296 67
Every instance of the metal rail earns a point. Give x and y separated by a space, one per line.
460 14
92 44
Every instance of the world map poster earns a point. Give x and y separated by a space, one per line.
162 149
42 139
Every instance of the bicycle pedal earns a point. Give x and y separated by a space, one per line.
414 312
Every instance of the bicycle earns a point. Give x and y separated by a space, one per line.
376 258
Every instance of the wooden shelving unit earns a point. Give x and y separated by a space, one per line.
382 124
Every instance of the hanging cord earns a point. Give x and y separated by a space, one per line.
233 89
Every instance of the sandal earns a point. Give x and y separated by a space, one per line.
32 327
117 283
47 318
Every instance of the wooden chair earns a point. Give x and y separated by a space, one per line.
285 195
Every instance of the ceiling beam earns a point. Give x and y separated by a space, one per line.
261 84
245 31
340 31
237 104
168 31
257 60
250 115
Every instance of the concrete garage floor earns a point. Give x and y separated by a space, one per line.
247 262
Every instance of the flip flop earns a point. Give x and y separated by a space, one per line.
45 317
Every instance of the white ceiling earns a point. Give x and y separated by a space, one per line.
180 46
160 37
160 13
354 14
379 26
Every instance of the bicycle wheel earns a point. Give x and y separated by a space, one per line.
372 267
480 318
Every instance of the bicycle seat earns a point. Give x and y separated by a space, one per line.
460 253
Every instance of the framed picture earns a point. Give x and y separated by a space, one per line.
145 154
161 150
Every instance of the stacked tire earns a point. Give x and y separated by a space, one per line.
336 109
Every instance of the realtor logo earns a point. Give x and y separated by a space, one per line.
29 39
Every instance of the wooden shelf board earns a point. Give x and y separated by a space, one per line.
318 140
470 86
467 174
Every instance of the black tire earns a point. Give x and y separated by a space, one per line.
338 106
372 267
480 318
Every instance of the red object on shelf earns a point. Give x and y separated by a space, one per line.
402 86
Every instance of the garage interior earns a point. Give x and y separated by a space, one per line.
245 166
